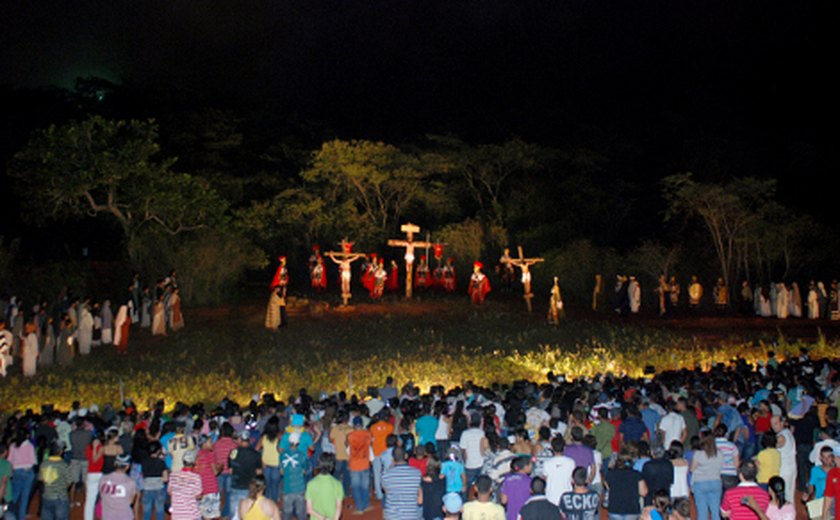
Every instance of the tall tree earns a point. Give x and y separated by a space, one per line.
110 169
729 211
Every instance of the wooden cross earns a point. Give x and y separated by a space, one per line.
525 264
409 244
344 258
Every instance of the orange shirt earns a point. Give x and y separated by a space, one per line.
380 431
359 443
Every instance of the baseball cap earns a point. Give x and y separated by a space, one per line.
452 502
190 457
244 435
357 421
123 460
297 419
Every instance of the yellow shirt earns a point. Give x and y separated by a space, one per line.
270 455
476 510
769 462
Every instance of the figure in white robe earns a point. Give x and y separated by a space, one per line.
122 326
85 332
158 318
781 301
5 349
634 291
813 302
107 323
795 301
757 300
29 351
765 304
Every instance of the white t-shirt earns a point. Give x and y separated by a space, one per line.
471 444
672 426
558 475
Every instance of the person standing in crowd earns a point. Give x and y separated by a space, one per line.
359 443
118 491
155 476
581 503
185 489
401 484
539 507
245 464
483 507
55 476
22 459
324 493
254 505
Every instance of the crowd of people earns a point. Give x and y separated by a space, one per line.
779 300
736 441
48 333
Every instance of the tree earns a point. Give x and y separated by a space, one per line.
729 211
105 168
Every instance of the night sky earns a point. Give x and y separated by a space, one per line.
726 88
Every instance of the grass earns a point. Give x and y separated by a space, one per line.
231 355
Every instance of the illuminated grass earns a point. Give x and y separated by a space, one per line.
235 357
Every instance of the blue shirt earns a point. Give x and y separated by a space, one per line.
304 444
633 429
453 471
650 418
818 477
294 464
164 442
426 427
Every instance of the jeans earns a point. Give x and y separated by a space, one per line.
294 504
360 485
707 495
377 478
471 475
156 499
22 480
236 495
343 475
55 509
91 492
224 491
616 516
272 482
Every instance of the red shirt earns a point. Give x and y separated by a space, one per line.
732 501
616 440
204 468
419 464
95 466
832 487
762 424
221 452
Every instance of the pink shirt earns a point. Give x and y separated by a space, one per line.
23 456
185 486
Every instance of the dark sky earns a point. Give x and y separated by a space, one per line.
658 74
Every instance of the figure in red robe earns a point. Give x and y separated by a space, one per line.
368 270
479 285
318 275
421 275
281 277
448 274
393 283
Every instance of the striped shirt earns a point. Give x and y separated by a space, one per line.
732 501
184 487
401 484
